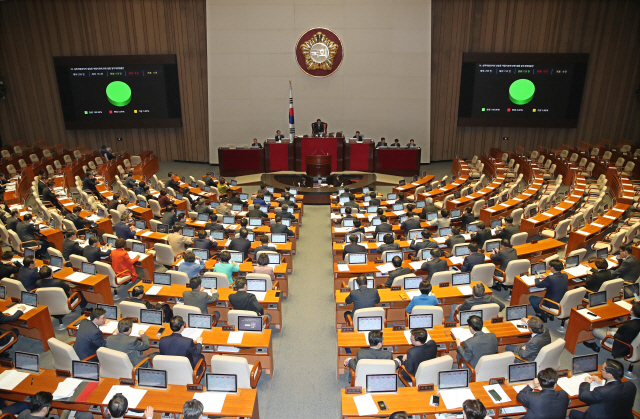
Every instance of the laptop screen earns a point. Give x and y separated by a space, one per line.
138 247
584 363
420 321
453 379
226 383
259 285
369 323
255 221
432 216
392 196
243 196
631 289
472 228
151 317
286 222
163 228
572 261
415 234
228 219
491 202
27 362
101 213
602 253
236 257
140 224
381 235
29 298
372 209
370 284
274 258
538 268
357 258
3 292
420 204
492 245
412 282
236 207
533 212
209 283
112 311
391 255
367 198
87 235
56 261
217 235
445 231
279 238
188 231
88 268
343 199
201 253
462 278
347 222
516 312
180 211
426 254
397 207
597 298
376 221
161 278
464 316
110 240
200 321
29 252
382 383
142 203
148 377
84 370
496 223
203 217
462 250
249 324
522 372
455 213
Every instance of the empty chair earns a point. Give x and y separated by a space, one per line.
628 168
518 239
613 287
490 366
63 354
76 261
247 375
178 368
116 364
67 159
115 278
477 207
579 252
131 309
33 158
560 231
164 254
517 216
483 273
57 302
77 154
14 288
613 247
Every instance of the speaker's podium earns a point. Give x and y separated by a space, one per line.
318 166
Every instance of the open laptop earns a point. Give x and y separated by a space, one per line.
236 207
461 251
516 312
214 205
138 247
597 299
180 211
112 311
203 217
372 209
201 253
432 216
572 261
392 196
243 196
461 278
222 383
84 370
464 315
161 278
390 255
56 263
163 228
237 257
142 203
274 258
420 321
366 324
29 252
257 285
491 202
110 240
88 235
532 212
412 282
496 223
343 199
538 268
426 254
27 362
397 207
444 231
200 321
279 238
228 219
217 235
153 317
629 290
255 221
453 379
188 231
382 383
370 284
357 258
455 213
286 222
402 219
29 298
209 282
584 363
140 224
602 253
347 222
492 245
88 268
525 372
250 324
376 221
152 378
472 228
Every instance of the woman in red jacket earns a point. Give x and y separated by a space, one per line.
120 261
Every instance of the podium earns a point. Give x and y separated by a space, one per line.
318 166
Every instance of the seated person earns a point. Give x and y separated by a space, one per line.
629 268
8 268
243 300
557 284
362 297
429 208
285 212
256 143
424 244
197 297
288 201
626 332
351 202
137 293
122 341
455 238
443 220
424 299
374 201
178 345
479 297
48 281
177 241
263 267
539 338
191 265
279 137
223 265
547 402
203 208
411 223
505 255
203 242
353 247
467 218
478 345
28 275
260 200
411 143
422 350
70 246
482 235
389 243
241 243
374 351
256 212
434 265
121 261
92 251
89 337
278 227
398 271
235 199
599 275
475 257
473 409
264 245
163 199
169 216
509 230
396 143
382 143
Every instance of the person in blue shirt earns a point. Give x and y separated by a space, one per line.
223 265
260 199
425 299
192 265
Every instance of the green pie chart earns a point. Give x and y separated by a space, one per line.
521 91
119 93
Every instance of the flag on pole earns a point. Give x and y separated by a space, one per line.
292 125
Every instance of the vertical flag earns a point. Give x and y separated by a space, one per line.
292 126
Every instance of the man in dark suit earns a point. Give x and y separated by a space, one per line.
78 221
264 245
48 281
133 346
374 201
547 403
93 253
425 243
411 143
12 221
362 297
90 184
357 227
383 227
279 136
434 265
422 350
241 244
8 268
285 212
398 271
353 247
29 274
123 231
374 351
49 196
411 223
197 297
382 143
428 208
89 337
455 238
504 255
396 143
626 333
509 230
235 199
243 300
479 297
202 207
208 179
475 257
171 183
139 189
629 268
318 128
113 203
351 202
288 201
539 338
256 144
467 218
478 345
599 276
42 184
177 345
213 225
482 235
278 227
556 284
26 232
70 246
256 212
106 153
129 182
169 216
614 399
137 293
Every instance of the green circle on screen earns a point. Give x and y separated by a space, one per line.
119 93
521 91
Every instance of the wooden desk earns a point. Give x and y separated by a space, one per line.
461 169
580 328
35 324
490 168
280 272
96 289
595 230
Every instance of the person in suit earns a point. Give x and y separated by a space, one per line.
540 338
353 247
12 221
389 244
401 199
285 212
93 253
146 193
77 220
629 268
374 201
90 184
191 265
473 409
475 257
223 208
479 297
42 183
235 199
124 231
49 196
197 297
435 264
243 300
8 268
139 188
396 143
208 179
547 403
467 217
202 242
482 235
478 345
129 182
169 216
171 182
357 227
626 333
122 341
556 284
599 276
178 345
425 298
256 212
177 241
613 399
223 265
398 271
241 244
357 136
264 245
202 207
422 350
351 202
374 351
411 223
163 199
4 319
121 262
424 244
89 337
361 297
70 246
259 199
411 143
428 208
256 144
29 274
137 293
504 255
180 220
319 128
26 230
106 153
383 227
113 204
455 238
442 221
278 227
382 143
509 230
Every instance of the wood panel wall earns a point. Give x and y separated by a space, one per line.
607 30
34 31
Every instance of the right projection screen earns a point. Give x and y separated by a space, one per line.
523 90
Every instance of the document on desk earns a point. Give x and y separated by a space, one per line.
343 267
235 338
519 388
260 295
11 378
134 255
440 240
454 398
77 277
399 213
192 333
385 268
624 304
416 265
580 270
597 225
465 290
342 229
610 264
137 328
133 395
467 236
584 312
530 280
412 294
609 217
572 384
66 388
366 337
461 333
212 402
11 311
369 229
110 327
498 389
456 260
146 233
154 290
365 405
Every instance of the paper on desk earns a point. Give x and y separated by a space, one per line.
547 214
440 240
93 217
465 290
530 280
342 229
624 304
366 337
611 264
212 402
146 233
110 327
335 216
609 217
192 333
137 328
66 388
580 270
412 294
391 201
365 405
200 223
235 338
260 295
467 236
133 207
343 267
398 213
572 384
416 265
597 225
370 229
454 201
519 388
531 220
11 311
456 260
461 333
584 233
11 378
133 395
385 268
154 290
454 398
584 311
498 389
227 243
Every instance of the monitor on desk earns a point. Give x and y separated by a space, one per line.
426 254
207 189
290 210
101 213
153 317
140 224
56 261
294 191
390 255
366 324
243 196
236 207
372 209
274 258
279 238
584 363
492 245
142 203
138 247
340 191
597 299
428 188
235 183
203 217
491 202
464 316
200 321
188 232
525 372
161 278
286 222
152 378
444 231
460 278
162 228
84 370
88 268
457 194
201 253
392 196
112 311
250 324
347 222
420 204
29 252
223 383
402 219
217 235
255 221
343 199
270 189
194 184
179 196
631 289
420 321
455 213
432 216
3 292
87 236
496 223
237 257
533 211
180 211
228 219
357 258
397 207
110 240
472 228
453 379
370 284
516 312
259 285
27 362
412 282
538 268
29 298
414 234
402 182
209 283
461 250
376 221
382 383
602 253
572 261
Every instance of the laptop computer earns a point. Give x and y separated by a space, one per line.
217 235
390 255
249 324
110 240
453 379
420 321
584 363
274 258
538 268
516 312
402 218
161 278
201 253
631 289
286 222
366 324
492 245
222 383
88 235
27 362
279 238
472 228
28 252
525 372
255 221
426 254
237 257
257 285
357 258
420 204
461 278
412 282
432 216
153 317
203 217
180 211
152 378
464 315
392 196
455 213
29 298
163 228
597 299
112 311
243 196
142 203
200 321
88 268
602 253
84 370
236 208
56 263
496 223
461 251
444 231
228 219
370 284
140 224
572 261
382 383
188 231
397 207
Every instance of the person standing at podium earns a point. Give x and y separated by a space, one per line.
382 143
279 137
256 143
319 128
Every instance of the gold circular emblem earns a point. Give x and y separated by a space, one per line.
319 52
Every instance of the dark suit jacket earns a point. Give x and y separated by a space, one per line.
281 228
123 231
169 218
12 223
256 213
507 232
70 247
472 260
94 254
26 230
425 244
470 302
614 399
88 339
130 183
199 299
433 266
28 277
351 204
453 240
466 220
532 348
172 184
130 345
418 354
595 280
629 269
113 204
204 209
381 144
393 274
504 256
90 184
48 195
627 332
382 228
78 221
556 285
375 202
477 346
546 404
386 247
242 300
412 223
317 128
8 269
353 248
482 236
54 283
204 244
428 209
369 353
178 345
286 214
363 298
241 245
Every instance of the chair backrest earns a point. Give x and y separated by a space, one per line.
178 368
517 216
519 238
14 288
595 151
489 311
63 354
14 241
224 364
438 313
265 277
164 254
514 268
77 154
579 252
616 241
562 229
222 278
178 278
183 311
76 261
549 355
494 366
477 207
428 371
635 355
572 298
484 273
612 287
534 154
629 166
373 366
564 154
155 208
232 316
55 299
130 309
550 258
54 252
368 312
33 158
607 155
114 364
441 277
135 160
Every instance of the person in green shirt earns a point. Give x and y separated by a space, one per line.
223 265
